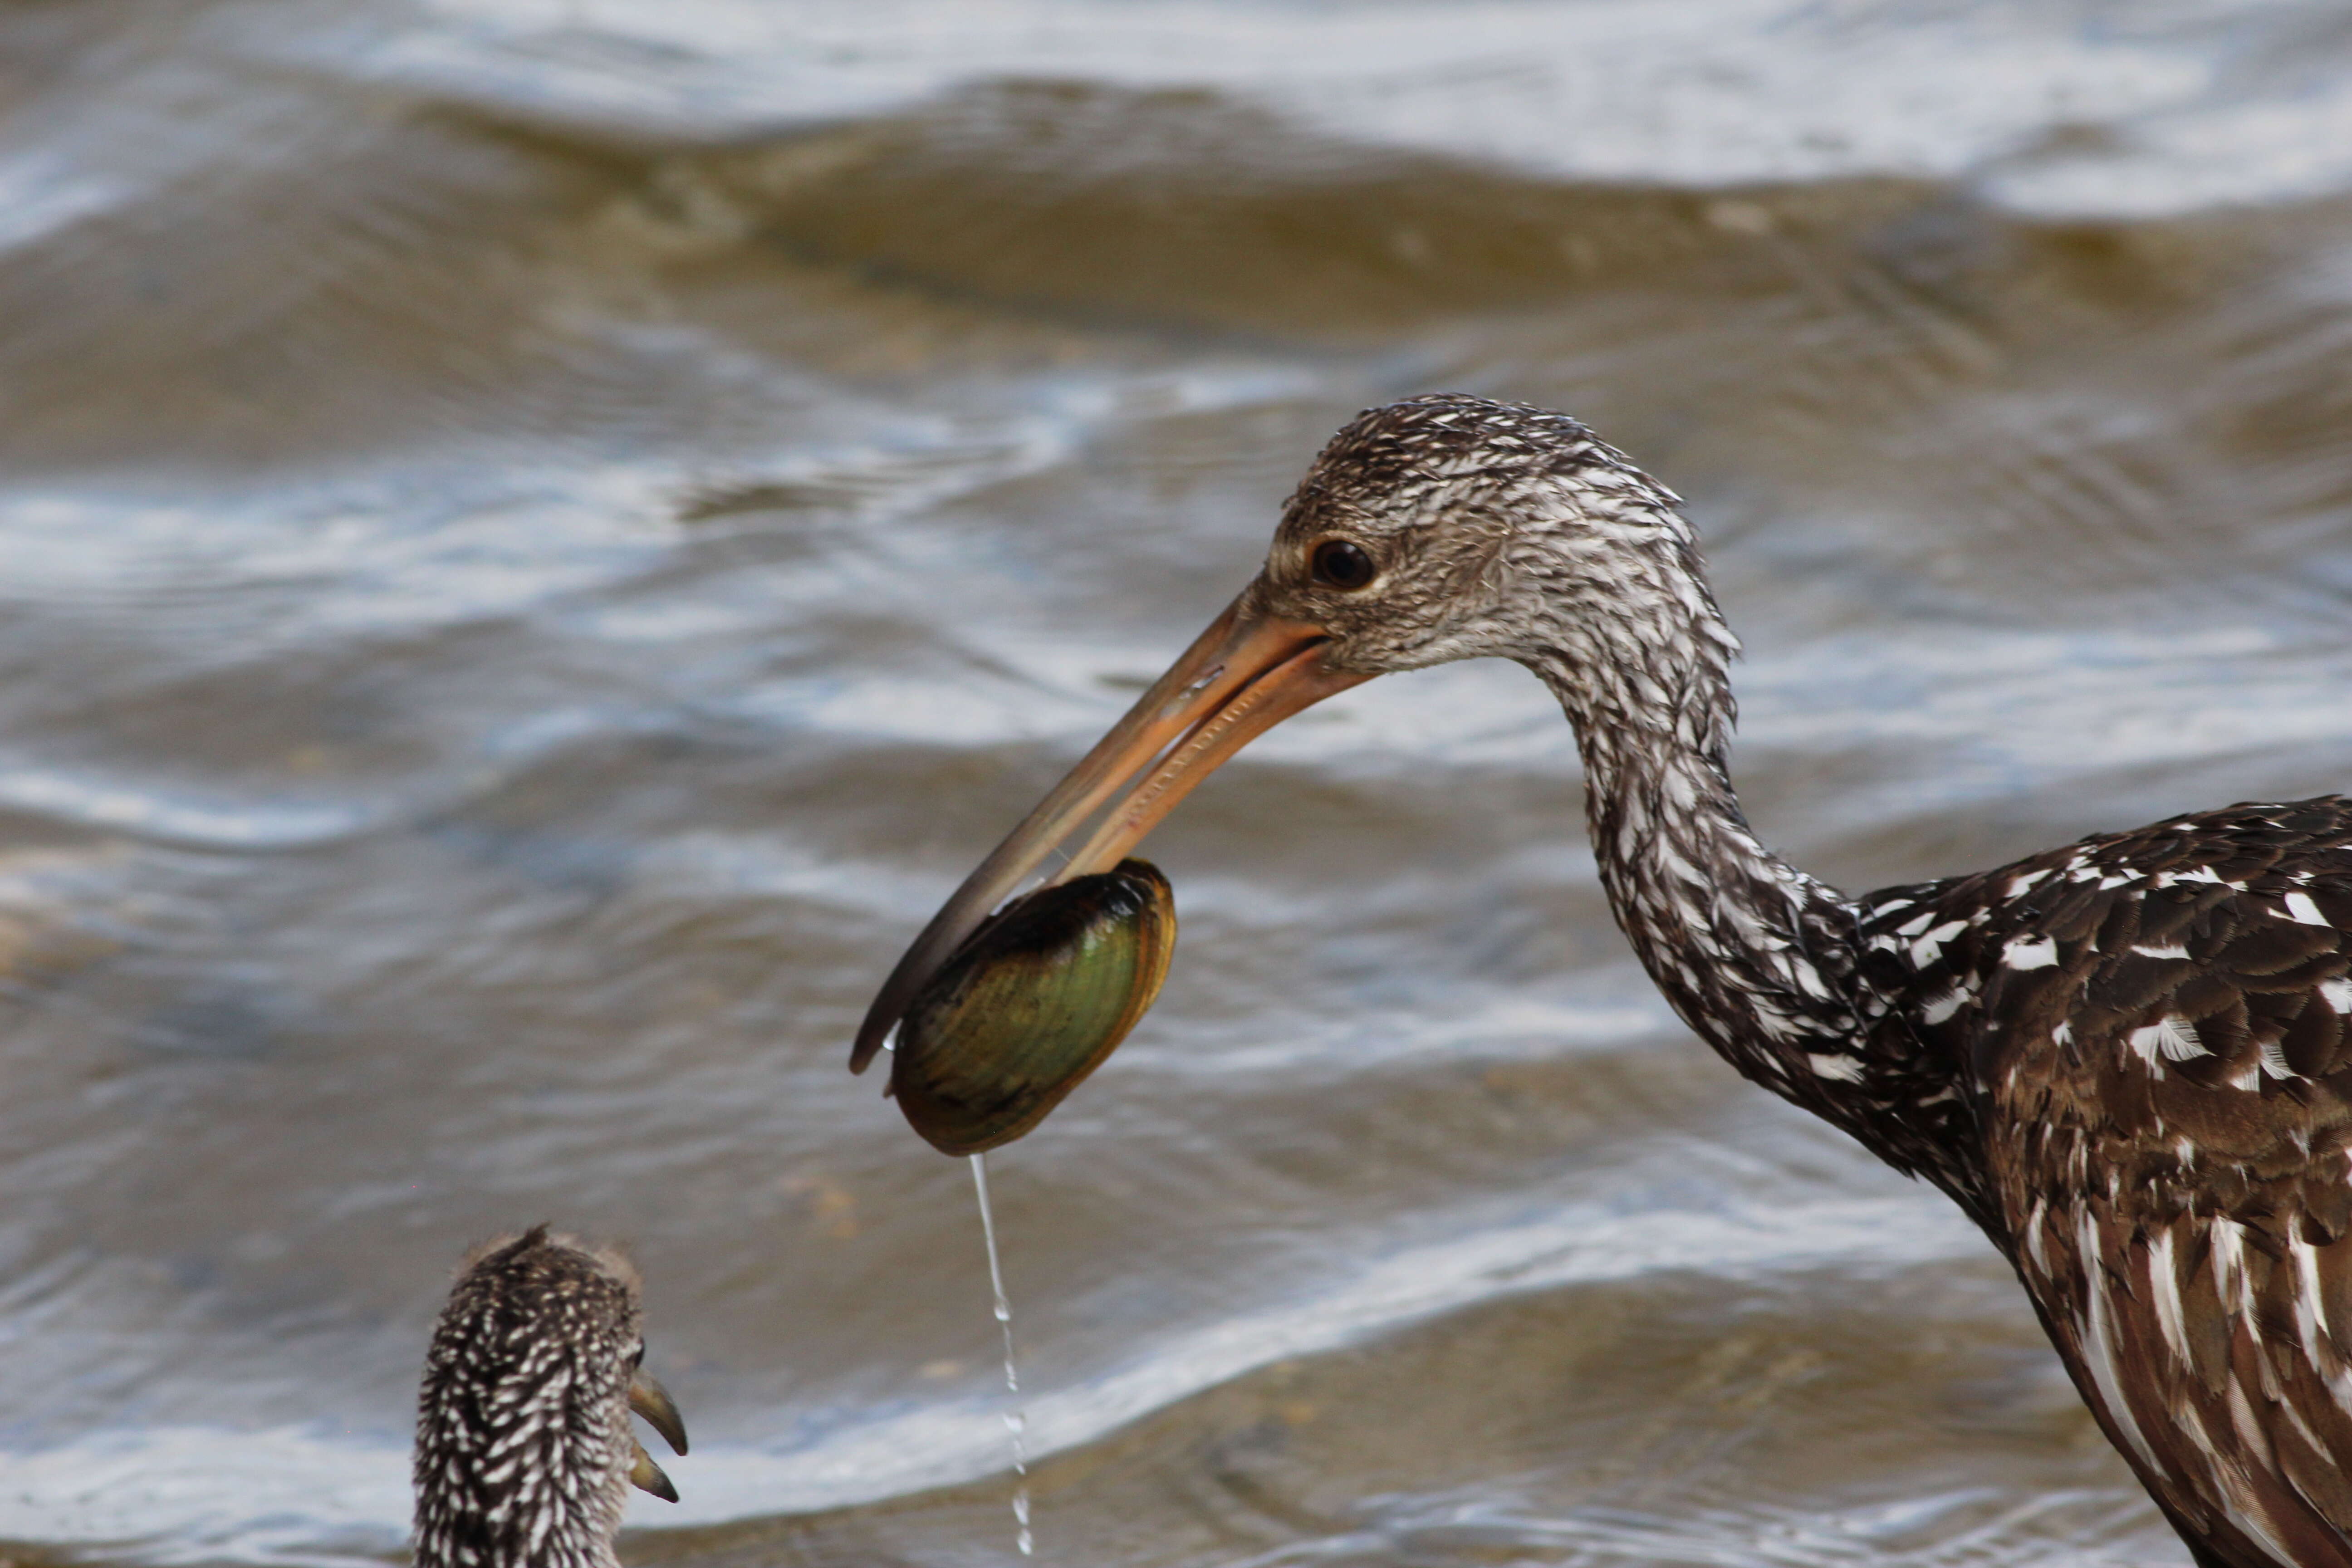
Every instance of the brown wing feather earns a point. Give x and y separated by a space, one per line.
2153 1030
2178 1334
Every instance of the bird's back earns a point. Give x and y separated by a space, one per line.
2147 1032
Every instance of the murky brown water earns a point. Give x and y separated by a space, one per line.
540 538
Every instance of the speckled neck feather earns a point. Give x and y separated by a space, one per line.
1516 532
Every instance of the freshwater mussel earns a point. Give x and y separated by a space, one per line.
1031 1002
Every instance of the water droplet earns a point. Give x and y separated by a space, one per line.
1016 1420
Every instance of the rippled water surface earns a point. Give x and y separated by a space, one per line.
541 537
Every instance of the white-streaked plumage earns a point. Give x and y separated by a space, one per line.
2126 1059
524 1452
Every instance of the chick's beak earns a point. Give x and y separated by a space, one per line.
649 1399
1242 676
648 1477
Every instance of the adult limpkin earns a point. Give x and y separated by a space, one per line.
2125 1060
524 1452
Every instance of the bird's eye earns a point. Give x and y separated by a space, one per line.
1341 564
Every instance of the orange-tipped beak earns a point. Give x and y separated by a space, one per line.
1241 677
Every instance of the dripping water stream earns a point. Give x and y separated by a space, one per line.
1016 1419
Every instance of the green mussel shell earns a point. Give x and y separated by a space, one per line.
1030 1005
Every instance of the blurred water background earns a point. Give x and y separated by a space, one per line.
540 538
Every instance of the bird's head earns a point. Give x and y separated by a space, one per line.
524 1448
1447 526
1436 528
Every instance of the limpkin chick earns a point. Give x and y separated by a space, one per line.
524 1450
2129 1059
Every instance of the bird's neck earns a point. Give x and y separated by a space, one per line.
1759 958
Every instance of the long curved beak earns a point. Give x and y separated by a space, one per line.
1240 678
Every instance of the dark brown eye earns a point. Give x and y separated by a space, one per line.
1341 564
